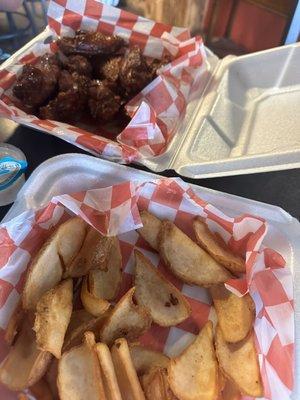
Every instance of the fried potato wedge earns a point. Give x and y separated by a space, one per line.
150 229
14 323
79 374
235 314
165 303
52 318
102 285
187 260
239 363
127 320
193 375
41 390
128 381
93 304
70 237
144 359
51 378
156 385
46 269
219 251
74 337
110 381
230 392
25 364
78 317
92 254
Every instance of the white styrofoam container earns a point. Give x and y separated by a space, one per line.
246 118
246 121
74 172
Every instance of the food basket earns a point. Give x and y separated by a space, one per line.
97 201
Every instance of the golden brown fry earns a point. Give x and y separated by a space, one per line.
235 314
187 260
111 386
93 304
41 390
239 363
14 323
126 375
25 364
165 303
193 374
156 385
230 391
92 255
46 269
74 337
51 378
79 374
150 229
126 320
53 315
102 285
144 359
70 237
218 251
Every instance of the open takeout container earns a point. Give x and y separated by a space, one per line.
92 179
241 117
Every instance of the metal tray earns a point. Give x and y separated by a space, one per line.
75 172
245 121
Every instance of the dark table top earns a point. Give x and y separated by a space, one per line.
280 188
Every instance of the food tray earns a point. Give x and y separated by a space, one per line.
73 173
245 121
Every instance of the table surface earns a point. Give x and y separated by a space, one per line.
280 188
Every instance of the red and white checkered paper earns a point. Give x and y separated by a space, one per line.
155 112
114 211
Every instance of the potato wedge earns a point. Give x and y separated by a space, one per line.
25 364
144 359
193 375
150 229
14 323
164 302
239 363
74 337
126 320
111 386
51 378
93 304
78 317
41 390
218 251
92 254
70 237
187 260
102 285
235 314
79 374
52 318
46 269
156 385
128 381
230 392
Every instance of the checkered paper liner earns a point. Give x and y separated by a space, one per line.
155 112
114 211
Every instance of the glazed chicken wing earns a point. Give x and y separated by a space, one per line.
79 64
37 82
90 44
103 102
135 73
